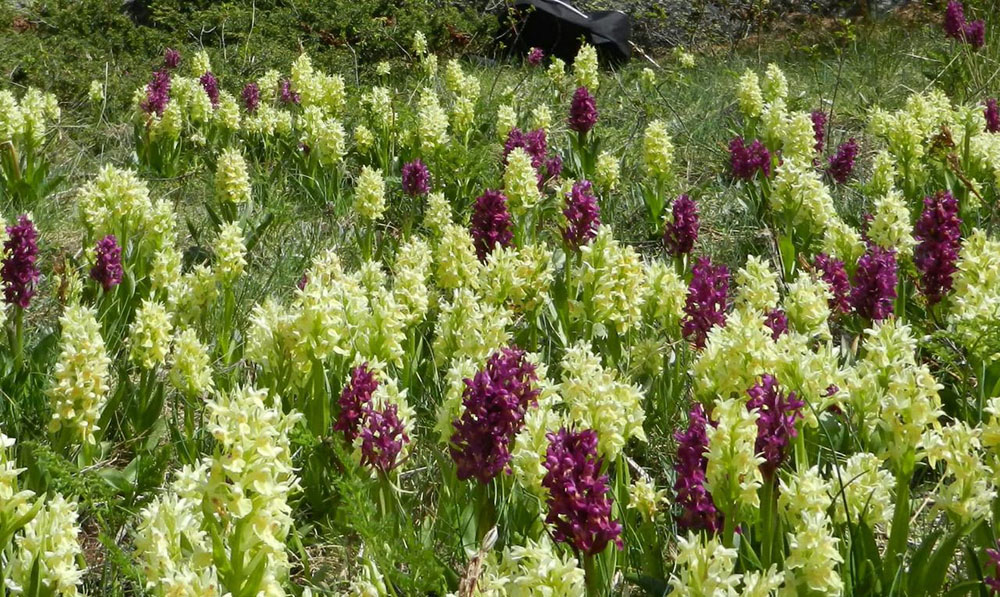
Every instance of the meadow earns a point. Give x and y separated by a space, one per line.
287 318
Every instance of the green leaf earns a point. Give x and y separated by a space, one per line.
937 568
869 550
116 478
258 565
212 215
786 248
193 230
153 409
656 587
973 568
966 587
922 554
45 348
258 232
34 579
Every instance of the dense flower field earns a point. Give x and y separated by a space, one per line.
477 386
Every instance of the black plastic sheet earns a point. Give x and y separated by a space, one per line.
557 27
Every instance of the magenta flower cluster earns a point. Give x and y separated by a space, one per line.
833 273
939 239
819 129
992 114
705 306
583 215
553 165
680 234
579 506
107 270
875 283
955 26
954 20
533 142
286 94
975 33
776 417
698 511
491 224
251 97
777 322
354 400
382 438
416 179
745 160
171 58
993 561
841 163
157 93
495 400
535 56
381 431
536 146
211 86
582 111
20 271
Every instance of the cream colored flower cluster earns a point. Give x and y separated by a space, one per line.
150 335
45 553
232 182
733 472
465 89
894 396
612 282
862 491
341 315
80 377
432 121
239 494
518 277
757 285
967 490
800 196
190 365
665 298
49 544
891 226
369 197
706 568
536 568
813 555
318 89
791 132
597 399
644 497
585 68
324 136
520 183
975 300
909 130
230 253
804 358
657 151
14 502
117 202
455 263
468 327
26 123
807 307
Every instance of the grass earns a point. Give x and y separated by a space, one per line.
847 69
